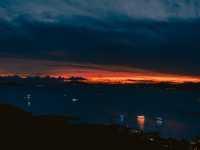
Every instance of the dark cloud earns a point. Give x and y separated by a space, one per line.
158 35
49 10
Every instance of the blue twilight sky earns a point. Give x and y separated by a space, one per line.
158 35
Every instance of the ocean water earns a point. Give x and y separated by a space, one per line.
173 113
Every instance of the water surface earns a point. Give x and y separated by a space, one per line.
174 113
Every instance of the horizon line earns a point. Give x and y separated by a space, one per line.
115 80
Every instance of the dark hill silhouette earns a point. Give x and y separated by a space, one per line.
21 130
76 79
9 109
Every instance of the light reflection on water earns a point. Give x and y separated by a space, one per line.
141 121
165 112
159 121
167 127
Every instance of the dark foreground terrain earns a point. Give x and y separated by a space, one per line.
20 129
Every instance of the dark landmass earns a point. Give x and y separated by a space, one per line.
20 129
80 81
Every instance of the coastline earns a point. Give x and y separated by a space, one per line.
53 131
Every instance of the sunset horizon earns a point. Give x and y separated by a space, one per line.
127 72
117 78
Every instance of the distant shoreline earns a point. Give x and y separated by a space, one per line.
73 81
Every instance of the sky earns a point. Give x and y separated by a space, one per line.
118 40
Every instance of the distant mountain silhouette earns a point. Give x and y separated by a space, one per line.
76 79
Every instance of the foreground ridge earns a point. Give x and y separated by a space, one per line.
18 126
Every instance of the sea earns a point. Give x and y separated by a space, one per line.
173 113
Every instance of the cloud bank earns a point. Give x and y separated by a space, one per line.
161 35
51 10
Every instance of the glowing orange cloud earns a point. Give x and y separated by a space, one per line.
93 73
104 75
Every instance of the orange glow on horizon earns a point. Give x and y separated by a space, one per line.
131 78
108 74
109 77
